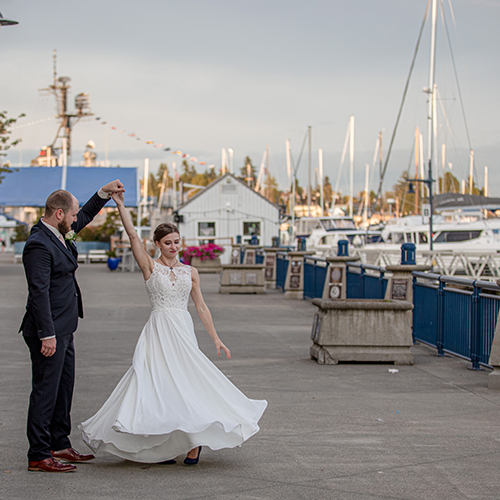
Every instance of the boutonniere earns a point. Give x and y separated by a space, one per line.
70 236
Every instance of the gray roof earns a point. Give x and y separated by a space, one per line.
220 179
456 200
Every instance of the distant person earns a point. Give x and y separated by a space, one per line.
52 311
173 400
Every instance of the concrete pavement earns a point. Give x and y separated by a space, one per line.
350 431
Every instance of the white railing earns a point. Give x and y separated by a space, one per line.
478 265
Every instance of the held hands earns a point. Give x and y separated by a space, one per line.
114 187
219 345
118 198
48 347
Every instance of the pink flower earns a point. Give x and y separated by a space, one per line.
209 251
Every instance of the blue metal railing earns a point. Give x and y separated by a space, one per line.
365 285
281 269
425 298
259 257
363 281
315 272
455 315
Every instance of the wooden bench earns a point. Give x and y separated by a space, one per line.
97 256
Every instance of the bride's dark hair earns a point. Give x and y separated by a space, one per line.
163 229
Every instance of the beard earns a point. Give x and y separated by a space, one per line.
64 227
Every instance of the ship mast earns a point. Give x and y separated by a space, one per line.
59 89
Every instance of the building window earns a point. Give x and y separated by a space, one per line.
251 228
206 229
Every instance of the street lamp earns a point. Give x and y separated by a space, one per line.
428 182
6 22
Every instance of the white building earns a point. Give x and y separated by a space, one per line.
228 208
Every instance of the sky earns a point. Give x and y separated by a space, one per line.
202 75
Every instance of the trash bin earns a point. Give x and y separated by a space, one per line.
408 254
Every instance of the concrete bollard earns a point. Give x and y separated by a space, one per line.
294 282
250 254
336 278
270 266
400 286
236 253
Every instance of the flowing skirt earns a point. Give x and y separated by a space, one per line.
172 399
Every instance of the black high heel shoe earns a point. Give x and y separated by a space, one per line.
167 462
193 461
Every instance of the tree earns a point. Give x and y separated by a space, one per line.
21 233
5 143
248 172
272 191
103 232
451 183
188 173
327 191
210 174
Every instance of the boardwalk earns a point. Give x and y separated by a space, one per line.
352 431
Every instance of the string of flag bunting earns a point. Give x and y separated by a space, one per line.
135 136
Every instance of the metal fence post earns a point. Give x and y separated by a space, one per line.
475 339
382 282
440 322
314 277
414 285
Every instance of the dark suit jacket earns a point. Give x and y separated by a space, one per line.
54 299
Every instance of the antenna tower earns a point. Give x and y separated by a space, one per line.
59 89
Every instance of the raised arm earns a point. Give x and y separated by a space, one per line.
141 256
204 313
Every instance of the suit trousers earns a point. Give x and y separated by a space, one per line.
53 378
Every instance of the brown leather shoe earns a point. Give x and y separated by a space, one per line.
50 465
71 455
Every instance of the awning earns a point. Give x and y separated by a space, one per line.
30 186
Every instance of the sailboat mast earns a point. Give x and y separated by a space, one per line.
431 89
431 109
351 158
471 172
417 165
309 173
320 168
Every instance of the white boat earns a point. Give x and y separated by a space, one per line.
458 231
323 233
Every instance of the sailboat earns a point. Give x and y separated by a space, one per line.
460 230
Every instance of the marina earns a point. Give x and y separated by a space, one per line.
331 168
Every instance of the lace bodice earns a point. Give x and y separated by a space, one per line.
168 287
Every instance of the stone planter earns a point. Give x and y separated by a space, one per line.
362 330
207 266
242 278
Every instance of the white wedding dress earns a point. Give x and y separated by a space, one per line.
172 399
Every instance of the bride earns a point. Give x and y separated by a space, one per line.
172 400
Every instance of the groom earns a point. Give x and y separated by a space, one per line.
52 311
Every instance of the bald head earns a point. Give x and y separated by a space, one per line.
60 199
